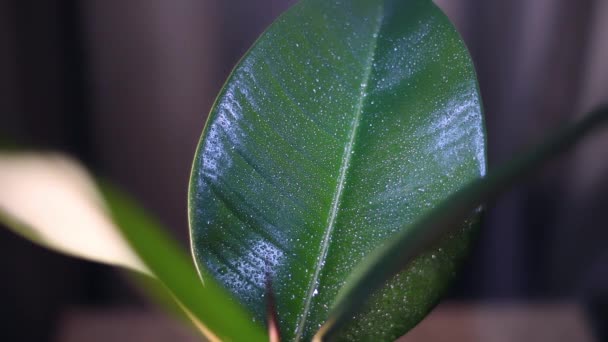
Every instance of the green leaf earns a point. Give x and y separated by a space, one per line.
399 252
208 303
53 201
344 123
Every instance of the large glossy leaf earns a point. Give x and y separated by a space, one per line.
345 122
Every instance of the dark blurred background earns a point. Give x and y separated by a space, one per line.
126 86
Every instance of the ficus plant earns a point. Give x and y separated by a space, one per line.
335 191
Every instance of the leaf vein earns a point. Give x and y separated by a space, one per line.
346 158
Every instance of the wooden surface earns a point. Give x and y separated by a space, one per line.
450 322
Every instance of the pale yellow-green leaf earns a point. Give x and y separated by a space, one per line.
50 199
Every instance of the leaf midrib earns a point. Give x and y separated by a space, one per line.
346 158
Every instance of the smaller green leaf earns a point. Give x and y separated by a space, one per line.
52 200
397 253
223 317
